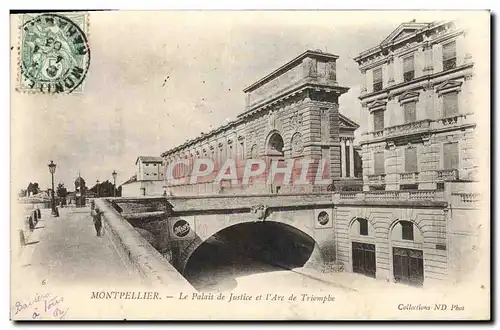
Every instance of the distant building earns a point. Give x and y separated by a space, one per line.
148 180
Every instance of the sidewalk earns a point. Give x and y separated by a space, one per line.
356 282
67 250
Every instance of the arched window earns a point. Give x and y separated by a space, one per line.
275 145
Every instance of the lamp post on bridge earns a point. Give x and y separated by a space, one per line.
114 174
52 170
97 187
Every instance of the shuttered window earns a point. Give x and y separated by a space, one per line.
410 112
449 55
411 162
377 79
408 68
379 162
450 104
450 155
378 120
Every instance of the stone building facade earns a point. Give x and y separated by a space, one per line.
416 87
416 220
291 115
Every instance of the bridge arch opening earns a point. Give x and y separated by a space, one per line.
247 249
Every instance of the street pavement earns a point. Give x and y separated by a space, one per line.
247 274
66 250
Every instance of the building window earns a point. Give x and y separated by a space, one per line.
449 56
378 120
411 160
450 104
410 112
450 155
407 230
379 162
363 227
377 79
408 68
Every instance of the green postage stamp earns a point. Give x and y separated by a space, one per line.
54 54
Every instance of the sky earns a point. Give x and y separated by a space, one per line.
159 78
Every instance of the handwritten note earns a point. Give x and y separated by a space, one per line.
42 307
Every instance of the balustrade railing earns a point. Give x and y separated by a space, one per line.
382 195
423 125
410 176
449 174
423 195
467 197
376 177
407 128
398 195
347 195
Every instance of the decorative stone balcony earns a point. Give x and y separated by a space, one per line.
420 126
457 120
465 198
381 195
397 195
376 178
408 177
447 175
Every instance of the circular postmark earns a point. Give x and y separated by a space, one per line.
181 228
55 54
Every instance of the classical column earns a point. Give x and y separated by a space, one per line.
343 157
351 158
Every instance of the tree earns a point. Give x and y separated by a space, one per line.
61 190
33 189
22 193
105 189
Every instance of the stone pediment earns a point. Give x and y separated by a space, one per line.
377 105
403 31
409 96
347 123
449 86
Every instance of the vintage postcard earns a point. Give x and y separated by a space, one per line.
250 165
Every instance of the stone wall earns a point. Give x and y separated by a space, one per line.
138 256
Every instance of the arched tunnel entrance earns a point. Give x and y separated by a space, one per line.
247 249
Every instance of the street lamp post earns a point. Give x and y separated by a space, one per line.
114 182
97 187
52 169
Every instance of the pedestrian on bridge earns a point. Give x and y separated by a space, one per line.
97 221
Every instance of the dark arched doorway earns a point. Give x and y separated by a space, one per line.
246 249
